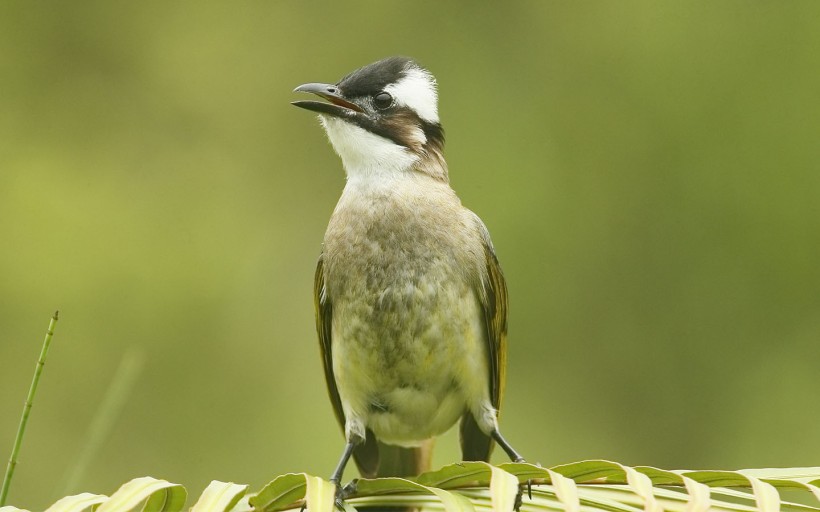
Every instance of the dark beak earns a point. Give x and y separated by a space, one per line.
338 106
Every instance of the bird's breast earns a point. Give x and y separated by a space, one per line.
399 244
401 274
395 272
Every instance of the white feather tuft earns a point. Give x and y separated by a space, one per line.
417 90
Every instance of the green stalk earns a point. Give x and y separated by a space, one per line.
109 410
21 429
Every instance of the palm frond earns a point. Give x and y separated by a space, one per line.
578 487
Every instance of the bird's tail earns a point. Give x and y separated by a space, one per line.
402 462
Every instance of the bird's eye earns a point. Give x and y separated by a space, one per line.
382 100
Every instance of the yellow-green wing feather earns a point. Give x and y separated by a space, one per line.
475 444
324 320
495 311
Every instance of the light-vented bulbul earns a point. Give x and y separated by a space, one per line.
411 303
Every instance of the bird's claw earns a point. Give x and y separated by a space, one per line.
343 493
519 496
519 499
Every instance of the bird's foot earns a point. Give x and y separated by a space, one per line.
515 457
519 497
343 493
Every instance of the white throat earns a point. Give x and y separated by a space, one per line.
366 155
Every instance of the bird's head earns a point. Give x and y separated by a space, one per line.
382 118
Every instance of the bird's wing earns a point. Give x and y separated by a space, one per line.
475 445
366 454
494 304
324 320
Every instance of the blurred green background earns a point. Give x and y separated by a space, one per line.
648 170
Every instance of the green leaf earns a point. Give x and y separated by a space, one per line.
85 502
804 475
590 471
157 495
566 491
699 495
586 486
765 495
453 476
320 495
526 472
281 492
642 486
391 485
795 478
220 497
503 489
381 486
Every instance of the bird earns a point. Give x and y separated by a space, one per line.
410 299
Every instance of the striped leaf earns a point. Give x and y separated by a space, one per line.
580 486
220 497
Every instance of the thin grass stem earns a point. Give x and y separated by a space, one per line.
21 429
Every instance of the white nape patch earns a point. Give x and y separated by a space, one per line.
365 154
417 90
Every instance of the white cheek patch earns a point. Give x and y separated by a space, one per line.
417 90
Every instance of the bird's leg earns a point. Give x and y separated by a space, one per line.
336 477
507 447
515 457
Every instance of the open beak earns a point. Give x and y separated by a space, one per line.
338 106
